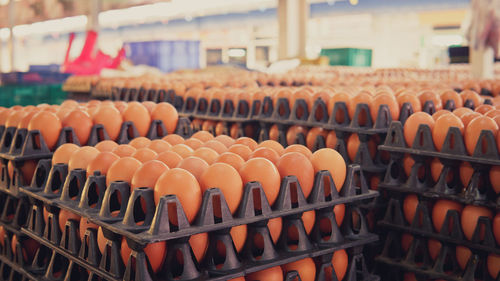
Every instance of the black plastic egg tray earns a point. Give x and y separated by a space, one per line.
156 226
479 190
394 262
141 94
22 146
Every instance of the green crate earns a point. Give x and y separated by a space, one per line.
31 94
348 56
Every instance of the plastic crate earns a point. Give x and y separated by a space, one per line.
348 56
31 94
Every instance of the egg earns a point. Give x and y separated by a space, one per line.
195 165
452 95
471 95
406 240
299 148
440 113
183 150
159 146
273 132
140 142
173 139
474 129
496 228
194 143
26 119
242 150
463 255
106 145
250 143
434 247
493 264
63 153
225 140
361 98
199 245
265 152
339 97
412 124
81 158
483 108
469 219
148 174
305 267
330 160
29 248
353 147
122 169
15 118
410 204
296 164
204 136
441 127
81 122
124 150
292 133
144 154
170 158
276 146
139 115
156 253
411 99
459 112
228 180
49 126
232 159
431 96
215 145
207 154
110 118
440 209
84 225
313 134
263 171
239 236
167 114
184 185
340 261
385 99
270 274
64 216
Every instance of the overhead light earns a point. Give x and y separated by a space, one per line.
67 24
354 2
236 53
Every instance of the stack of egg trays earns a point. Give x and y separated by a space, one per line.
92 200
14 215
449 186
21 145
241 114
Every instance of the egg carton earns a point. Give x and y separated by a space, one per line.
221 110
110 266
30 150
479 190
393 262
451 232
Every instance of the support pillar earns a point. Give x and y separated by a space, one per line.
482 62
292 19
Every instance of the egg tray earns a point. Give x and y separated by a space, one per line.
479 190
393 262
142 94
227 126
451 230
89 197
13 212
368 163
31 151
219 110
21 144
14 267
110 265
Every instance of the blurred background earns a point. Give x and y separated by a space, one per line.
180 34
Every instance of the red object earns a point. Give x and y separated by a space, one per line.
90 61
